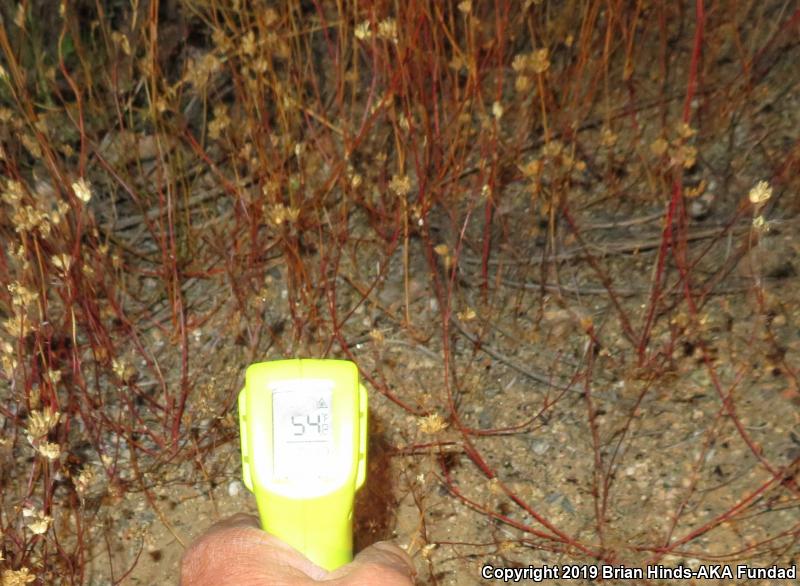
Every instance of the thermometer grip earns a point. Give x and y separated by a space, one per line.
320 528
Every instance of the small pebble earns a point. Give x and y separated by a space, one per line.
539 446
234 488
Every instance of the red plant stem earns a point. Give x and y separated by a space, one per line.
675 207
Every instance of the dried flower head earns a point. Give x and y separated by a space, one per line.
608 138
760 193
18 577
279 214
18 325
62 262
433 423
83 482
685 131
497 110
387 29
41 422
522 83
467 315
221 121
200 71
36 521
13 192
539 60
659 146
532 168
82 189
21 296
362 30
401 185
49 450
249 43
122 369
760 224
377 336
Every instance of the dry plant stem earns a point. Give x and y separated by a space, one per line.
675 209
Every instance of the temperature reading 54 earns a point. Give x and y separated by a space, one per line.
313 425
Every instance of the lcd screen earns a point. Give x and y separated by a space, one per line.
302 430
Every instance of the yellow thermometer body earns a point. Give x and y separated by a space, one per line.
303 428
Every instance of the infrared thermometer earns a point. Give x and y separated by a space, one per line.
303 428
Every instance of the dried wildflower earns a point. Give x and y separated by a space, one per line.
21 295
49 450
760 193
553 148
697 190
279 213
659 146
270 16
685 155
377 336
18 325
497 110
520 63
122 369
62 262
58 214
221 121
199 71
83 482
362 30
54 376
465 6
401 185
18 577
685 131
467 315
539 60
760 224
9 364
13 192
41 422
608 138
28 218
532 168
82 190
387 29
433 423
36 521
522 83
441 249
249 43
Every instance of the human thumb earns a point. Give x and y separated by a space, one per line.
381 563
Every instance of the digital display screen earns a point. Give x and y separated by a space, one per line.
302 429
